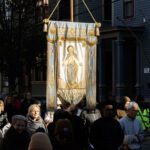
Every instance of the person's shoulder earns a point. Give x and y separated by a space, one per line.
98 121
123 119
138 121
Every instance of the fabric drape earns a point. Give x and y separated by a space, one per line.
71 63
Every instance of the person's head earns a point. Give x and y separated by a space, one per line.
63 131
1 106
8 99
40 141
70 49
28 96
132 110
126 101
108 110
60 114
19 123
34 111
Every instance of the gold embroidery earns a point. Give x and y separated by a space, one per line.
82 32
84 44
51 40
61 30
74 39
53 30
91 32
71 31
60 43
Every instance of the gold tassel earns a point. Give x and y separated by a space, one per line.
98 25
45 27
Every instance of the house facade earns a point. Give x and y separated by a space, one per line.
123 63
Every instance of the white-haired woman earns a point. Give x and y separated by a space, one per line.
35 121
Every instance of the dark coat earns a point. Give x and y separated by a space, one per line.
106 134
15 141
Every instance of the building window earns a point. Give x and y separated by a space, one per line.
64 10
128 8
107 10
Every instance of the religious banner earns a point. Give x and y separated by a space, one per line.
71 63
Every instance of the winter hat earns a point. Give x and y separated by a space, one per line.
40 141
18 117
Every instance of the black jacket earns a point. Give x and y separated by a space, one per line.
15 141
106 134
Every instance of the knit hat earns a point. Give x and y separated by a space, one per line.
40 141
18 117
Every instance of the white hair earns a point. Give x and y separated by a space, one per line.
132 105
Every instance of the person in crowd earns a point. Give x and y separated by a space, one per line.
17 137
89 115
132 127
26 103
106 132
16 103
58 114
42 105
77 123
121 110
4 124
40 141
35 121
111 98
80 132
9 107
48 118
64 136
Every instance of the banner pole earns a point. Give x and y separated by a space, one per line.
71 10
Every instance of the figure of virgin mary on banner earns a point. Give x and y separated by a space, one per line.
71 63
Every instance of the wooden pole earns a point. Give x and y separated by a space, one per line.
71 10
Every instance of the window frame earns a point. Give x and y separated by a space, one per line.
103 11
126 9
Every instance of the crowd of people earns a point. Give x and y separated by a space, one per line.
110 126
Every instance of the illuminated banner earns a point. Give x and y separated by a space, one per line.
71 63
